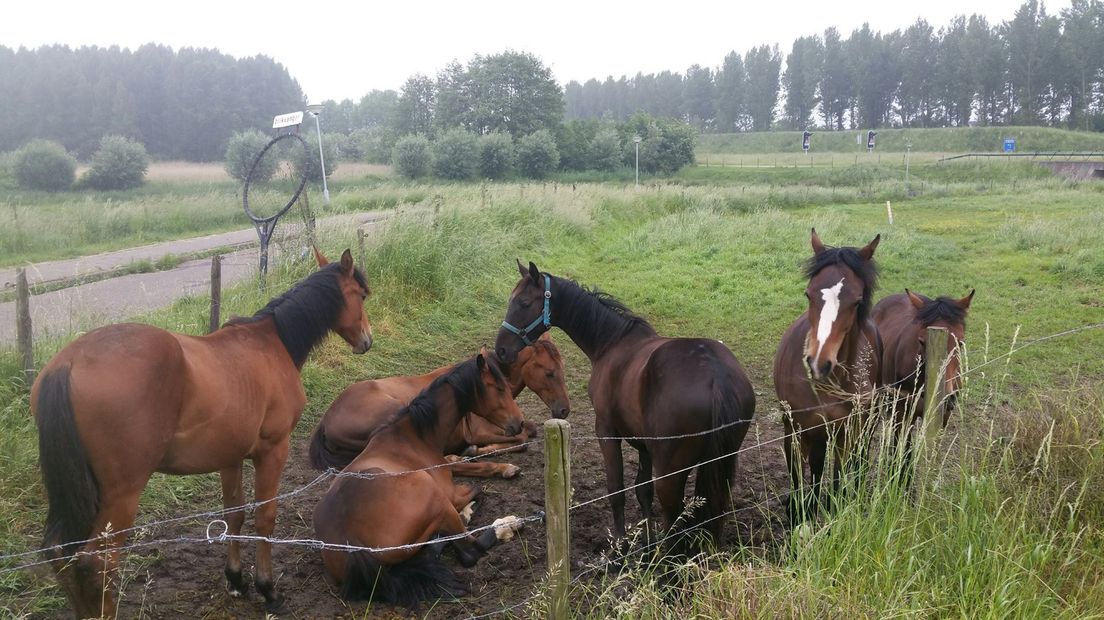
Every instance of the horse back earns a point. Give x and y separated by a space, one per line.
895 318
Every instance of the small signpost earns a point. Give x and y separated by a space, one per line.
870 140
805 141
1009 145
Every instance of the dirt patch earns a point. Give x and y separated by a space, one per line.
186 580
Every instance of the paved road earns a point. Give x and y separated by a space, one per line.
84 307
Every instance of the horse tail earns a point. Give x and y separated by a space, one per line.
733 404
324 454
425 576
71 486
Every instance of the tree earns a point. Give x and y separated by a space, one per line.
837 81
456 155
512 92
698 97
411 156
496 156
875 59
915 99
605 150
43 165
953 88
242 151
414 111
803 68
537 156
731 94
987 62
573 142
1082 50
1032 38
120 163
763 66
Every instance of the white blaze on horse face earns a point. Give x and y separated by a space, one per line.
828 314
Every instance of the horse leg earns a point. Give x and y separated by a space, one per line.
671 491
269 465
233 497
469 548
817 449
645 490
615 481
481 469
515 444
462 495
794 453
95 578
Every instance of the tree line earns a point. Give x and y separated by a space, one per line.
182 104
1034 69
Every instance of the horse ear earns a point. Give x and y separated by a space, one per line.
546 336
867 251
480 359
318 256
964 303
917 302
818 245
347 262
534 272
521 268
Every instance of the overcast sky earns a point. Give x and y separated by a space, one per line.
345 50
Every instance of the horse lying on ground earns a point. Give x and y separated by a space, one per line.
400 492
828 355
124 401
345 428
646 387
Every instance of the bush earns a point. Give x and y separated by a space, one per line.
605 150
120 163
43 165
496 156
537 155
243 149
456 155
411 157
312 163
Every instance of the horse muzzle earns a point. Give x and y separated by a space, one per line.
818 371
513 428
364 344
559 411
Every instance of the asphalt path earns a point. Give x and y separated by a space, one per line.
83 307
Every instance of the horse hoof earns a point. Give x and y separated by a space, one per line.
466 513
506 527
470 451
510 471
235 584
274 601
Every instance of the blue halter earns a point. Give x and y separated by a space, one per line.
545 317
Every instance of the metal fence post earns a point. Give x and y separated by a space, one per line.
557 501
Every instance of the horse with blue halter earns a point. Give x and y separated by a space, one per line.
681 402
124 401
829 357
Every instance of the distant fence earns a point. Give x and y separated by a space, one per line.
1049 155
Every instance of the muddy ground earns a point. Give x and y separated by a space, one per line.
186 580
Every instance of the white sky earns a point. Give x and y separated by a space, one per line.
341 50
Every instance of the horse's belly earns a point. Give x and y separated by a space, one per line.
206 449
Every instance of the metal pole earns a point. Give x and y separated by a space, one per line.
908 147
638 164
322 159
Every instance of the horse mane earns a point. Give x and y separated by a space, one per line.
866 270
305 312
591 310
940 309
467 386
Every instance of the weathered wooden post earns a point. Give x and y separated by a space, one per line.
216 292
23 325
935 354
557 502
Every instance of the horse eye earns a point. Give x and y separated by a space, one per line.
550 374
525 303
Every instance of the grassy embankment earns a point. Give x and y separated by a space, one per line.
1012 529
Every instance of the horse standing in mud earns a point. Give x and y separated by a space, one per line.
124 401
902 321
363 407
646 387
399 494
828 357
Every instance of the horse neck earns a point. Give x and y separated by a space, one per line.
850 360
515 378
591 325
449 413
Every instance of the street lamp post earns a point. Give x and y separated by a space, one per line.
908 147
636 141
315 110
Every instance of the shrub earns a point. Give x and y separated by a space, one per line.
605 150
456 155
243 148
573 142
312 163
496 156
411 157
43 165
120 163
537 155
372 144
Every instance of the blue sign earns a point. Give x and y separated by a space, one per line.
1009 145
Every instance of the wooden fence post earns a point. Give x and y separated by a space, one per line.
216 292
23 325
557 502
360 247
935 353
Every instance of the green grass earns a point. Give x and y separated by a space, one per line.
723 260
940 140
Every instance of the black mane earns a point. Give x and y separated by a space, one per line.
866 270
594 317
467 386
306 311
941 309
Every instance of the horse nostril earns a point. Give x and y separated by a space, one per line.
825 369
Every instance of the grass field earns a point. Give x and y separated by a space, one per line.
1008 525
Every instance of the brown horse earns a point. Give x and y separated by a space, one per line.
902 321
644 387
124 401
399 492
827 356
352 418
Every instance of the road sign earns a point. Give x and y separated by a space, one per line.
287 120
1009 145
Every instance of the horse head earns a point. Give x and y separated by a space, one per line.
528 315
495 403
542 370
950 314
352 321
